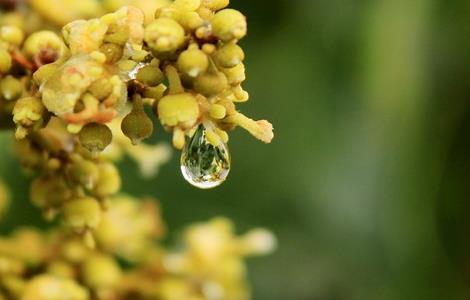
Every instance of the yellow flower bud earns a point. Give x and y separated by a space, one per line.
235 75
217 111
178 110
10 88
109 180
210 83
101 271
113 52
101 88
193 62
27 111
164 35
229 55
43 40
12 34
150 75
229 24
81 213
85 172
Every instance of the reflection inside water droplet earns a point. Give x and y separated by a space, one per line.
203 165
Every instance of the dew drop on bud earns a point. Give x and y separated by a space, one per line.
204 165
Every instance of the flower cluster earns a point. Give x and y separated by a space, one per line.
185 63
81 83
56 265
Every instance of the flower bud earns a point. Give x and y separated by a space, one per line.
101 271
81 213
109 180
95 137
137 125
217 111
150 75
193 62
11 34
101 88
164 35
179 109
28 110
210 83
229 24
235 75
84 172
112 52
11 88
43 40
229 55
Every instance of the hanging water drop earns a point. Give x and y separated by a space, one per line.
204 165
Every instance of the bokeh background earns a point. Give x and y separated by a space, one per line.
366 184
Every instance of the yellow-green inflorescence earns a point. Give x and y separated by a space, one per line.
79 82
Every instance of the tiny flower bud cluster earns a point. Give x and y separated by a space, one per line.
81 82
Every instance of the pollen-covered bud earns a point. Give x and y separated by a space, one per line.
229 24
95 137
82 213
137 125
11 34
215 4
210 83
43 41
150 75
229 55
101 271
5 61
193 62
164 35
10 88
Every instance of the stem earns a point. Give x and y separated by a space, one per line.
174 79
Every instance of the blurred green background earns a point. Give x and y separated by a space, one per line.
366 184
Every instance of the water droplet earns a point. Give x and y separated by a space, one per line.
202 164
